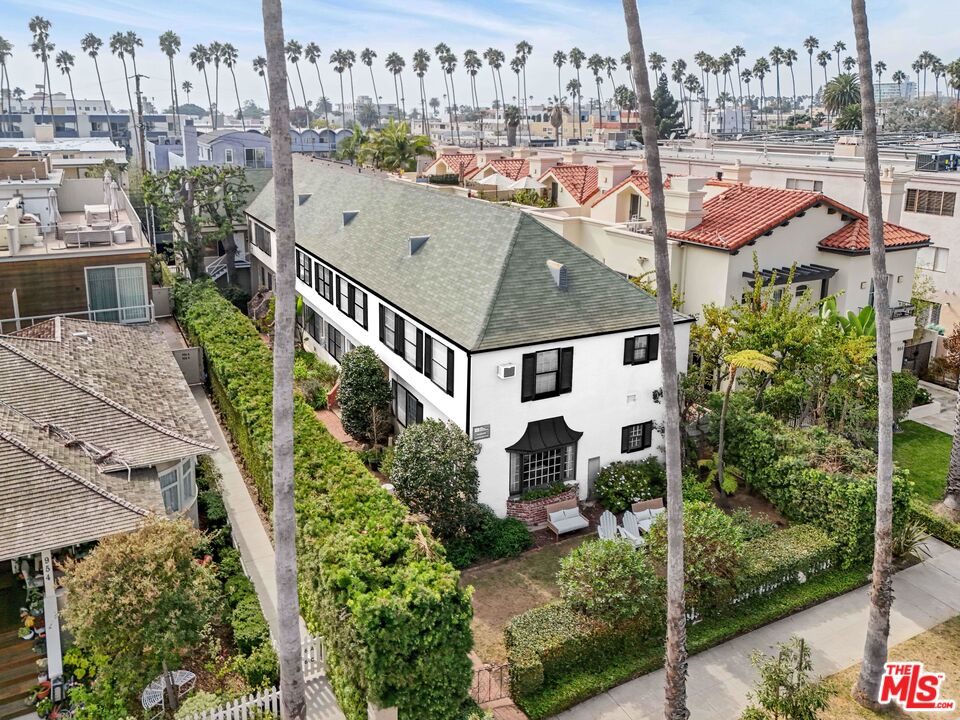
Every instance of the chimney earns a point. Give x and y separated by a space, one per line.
573 157
43 132
522 152
736 173
848 146
684 202
892 189
191 149
558 271
417 242
610 174
539 164
485 156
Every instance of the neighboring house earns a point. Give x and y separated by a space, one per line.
68 246
462 164
226 146
482 316
570 185
98 430
510 168
321 141
75 156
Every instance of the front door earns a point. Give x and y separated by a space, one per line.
593 469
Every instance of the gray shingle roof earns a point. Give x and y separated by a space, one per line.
481 279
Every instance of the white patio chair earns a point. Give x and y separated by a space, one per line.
607 529
630 530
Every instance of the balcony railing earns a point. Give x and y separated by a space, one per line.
901 310
129 315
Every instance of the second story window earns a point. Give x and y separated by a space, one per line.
261 238
439 364
352 301
303 267
641 349
547 373
323 281
930 202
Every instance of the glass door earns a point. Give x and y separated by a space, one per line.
102 298
132 291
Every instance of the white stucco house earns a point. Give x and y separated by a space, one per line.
482 316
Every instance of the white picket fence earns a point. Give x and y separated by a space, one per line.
267 702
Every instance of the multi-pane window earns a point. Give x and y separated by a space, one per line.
803 184
324 281
178 486
335 342
255 157
389 328
439 359
641 349
407 409
536 469
343 296
359 306
261 238
547 373
930 202
313 323
303 267
411 343
933 258
636 437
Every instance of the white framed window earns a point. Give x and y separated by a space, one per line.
117 293
389 328
439 359
537 469
933 258
255 157
804 184
548 371
178 485
406 407
228 156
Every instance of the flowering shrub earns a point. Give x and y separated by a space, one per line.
622 483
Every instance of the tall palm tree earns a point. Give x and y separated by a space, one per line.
216 55
285 525
610 64
705 62
725 65
776 57
313 54
421 63
789 58
824 57
395 64
131 42
738 53
187 86
349 59
760 69
715 67
838 47
576 94
675 665
937 68
43 49
6 51
118 46
91 45
170 45
656 61
628 66
842 91
746 76
515 67
899 77
577 58
367 56
524 49
926 59
597 65
65 62
294 50
260 68
441 50
339 61
229 56
694 89
559 59
449 63
200 58
849 63
677 71
472 63
880 67
881 595
811 44
951 497
917 67
19 95
495 59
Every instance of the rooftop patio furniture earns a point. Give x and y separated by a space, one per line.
564 517
630 530
96 213
607 529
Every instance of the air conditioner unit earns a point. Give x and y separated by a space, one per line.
506 371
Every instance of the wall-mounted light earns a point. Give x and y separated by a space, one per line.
863 285
899 279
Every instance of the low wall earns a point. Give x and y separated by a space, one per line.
534 512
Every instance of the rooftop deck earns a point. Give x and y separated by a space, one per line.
78 232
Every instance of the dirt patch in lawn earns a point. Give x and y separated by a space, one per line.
503 590
758 505
939 651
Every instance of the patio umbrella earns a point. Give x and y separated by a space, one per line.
107 182
54 205
500 182
527 183
114 200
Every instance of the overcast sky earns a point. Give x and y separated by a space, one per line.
675 28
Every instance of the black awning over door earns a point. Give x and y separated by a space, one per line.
545 435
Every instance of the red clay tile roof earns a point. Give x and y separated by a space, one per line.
513 168
459 163
855 237
578 180
640 179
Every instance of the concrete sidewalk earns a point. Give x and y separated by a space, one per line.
946 417
719 679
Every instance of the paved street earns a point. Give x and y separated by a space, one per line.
926 595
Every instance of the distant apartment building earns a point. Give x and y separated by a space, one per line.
891 90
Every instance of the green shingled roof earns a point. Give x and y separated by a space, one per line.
481 280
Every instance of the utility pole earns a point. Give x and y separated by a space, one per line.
139 123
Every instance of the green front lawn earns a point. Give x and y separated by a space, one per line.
925 452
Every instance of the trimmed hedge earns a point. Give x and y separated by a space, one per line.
779 557
937 525
373 583
812 476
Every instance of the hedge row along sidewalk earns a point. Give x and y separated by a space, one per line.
373 583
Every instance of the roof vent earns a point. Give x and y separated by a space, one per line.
302 198
558 271
349 215
417 242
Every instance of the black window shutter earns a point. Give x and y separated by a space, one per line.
383 324
528 383
450 371
419 349
364 310
351 299
419 411
566 370
398 334
653 347
625 439
647 434
428 355
337 303
628 350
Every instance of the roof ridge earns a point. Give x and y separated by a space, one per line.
503 271
103 398
67 472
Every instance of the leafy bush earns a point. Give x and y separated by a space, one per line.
364 394
935 524
608 580
506 537
712 553
751 526
213 509
785 690
250 629
313 378
434 471
487 536
554 488
695 489
812 476
621 483
905 386
260 669
778 558
394 619
197 703
922 397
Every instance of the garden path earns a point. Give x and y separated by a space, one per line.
927 594
944 420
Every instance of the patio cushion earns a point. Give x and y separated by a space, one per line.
557 517
644 515
571 512
570 524
644 524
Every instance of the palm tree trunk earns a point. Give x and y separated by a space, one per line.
731 379
526 108
503 98
375 96
236 90
206 82
403 98
343 104
811 89
284 520
176 95
951 498
323 97
353 98
496 113
73 98
675 705
216 93
456 117
126 82
304 93
579 107
881 595
396 90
